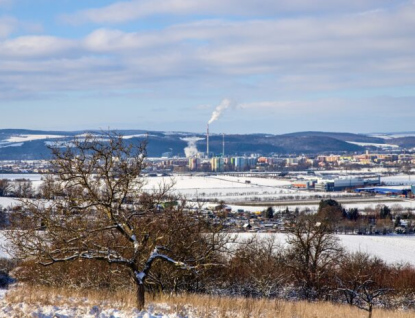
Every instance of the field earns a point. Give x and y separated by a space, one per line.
233 188
51 303
25 301
391 248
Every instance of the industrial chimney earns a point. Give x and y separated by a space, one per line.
223 146
207 141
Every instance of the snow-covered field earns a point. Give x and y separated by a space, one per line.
229 188
7 202
232 188
28 176
404 204
236 189
392 249
222 187
185 182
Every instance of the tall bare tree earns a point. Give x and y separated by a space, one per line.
95 209
313 254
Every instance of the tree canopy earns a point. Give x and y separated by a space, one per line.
95 209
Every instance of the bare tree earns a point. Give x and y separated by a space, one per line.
21 188
95 209
362 280
257 269
312 256
366 293
5 187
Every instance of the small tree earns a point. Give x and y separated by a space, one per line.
22 188
96 210
362 280
269 213
330 211
257 269
5 187
385 212
353 214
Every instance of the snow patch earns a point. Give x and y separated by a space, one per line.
73 309
3 145
393 135
24 138
138 136
370 144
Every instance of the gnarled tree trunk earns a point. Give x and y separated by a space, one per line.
140 296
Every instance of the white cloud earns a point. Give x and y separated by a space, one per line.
35 47
295 55
123 11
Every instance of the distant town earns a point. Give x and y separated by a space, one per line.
317 168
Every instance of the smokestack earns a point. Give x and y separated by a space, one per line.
207 141
223 146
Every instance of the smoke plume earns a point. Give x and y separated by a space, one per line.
191 149
219 109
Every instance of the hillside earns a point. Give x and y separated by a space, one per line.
404 142
23 144
339 136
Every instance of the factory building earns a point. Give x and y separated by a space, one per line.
340 184
325 186
303 184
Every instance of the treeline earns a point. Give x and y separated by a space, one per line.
21 188
311 265
382 219
379 220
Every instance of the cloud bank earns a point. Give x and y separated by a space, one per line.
274 56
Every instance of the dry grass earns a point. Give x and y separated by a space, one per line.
45 296
225 307
196 305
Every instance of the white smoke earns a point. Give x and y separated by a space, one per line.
219 109
191 149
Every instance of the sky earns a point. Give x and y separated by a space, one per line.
268 66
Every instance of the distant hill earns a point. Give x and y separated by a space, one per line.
340 136
24 144
403 142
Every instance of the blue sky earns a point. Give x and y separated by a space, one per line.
277 65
